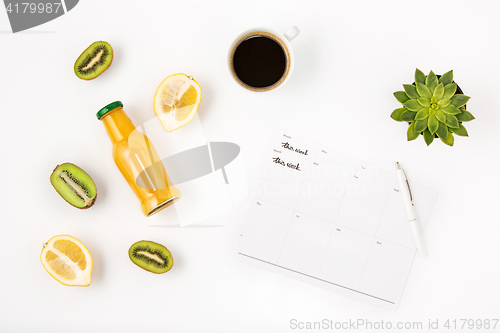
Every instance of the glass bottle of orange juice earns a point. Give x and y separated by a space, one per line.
137 159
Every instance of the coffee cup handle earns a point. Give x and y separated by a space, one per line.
292 33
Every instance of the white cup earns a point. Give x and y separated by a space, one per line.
282 39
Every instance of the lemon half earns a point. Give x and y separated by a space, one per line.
176 101
67 260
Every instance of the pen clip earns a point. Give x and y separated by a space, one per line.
409 187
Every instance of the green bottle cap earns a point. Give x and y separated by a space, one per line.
108 108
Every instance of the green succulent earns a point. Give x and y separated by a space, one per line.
433 108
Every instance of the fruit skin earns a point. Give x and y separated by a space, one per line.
152 248
71 165
158 91
83 245
93 49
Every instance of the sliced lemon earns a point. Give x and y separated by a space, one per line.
67 260
176 101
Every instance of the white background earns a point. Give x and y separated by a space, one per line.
350 57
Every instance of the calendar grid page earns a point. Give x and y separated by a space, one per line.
334 221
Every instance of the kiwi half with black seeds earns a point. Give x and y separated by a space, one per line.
94 60
74 185
151 256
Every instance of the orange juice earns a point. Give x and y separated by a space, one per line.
137 159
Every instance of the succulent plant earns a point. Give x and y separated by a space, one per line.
433 108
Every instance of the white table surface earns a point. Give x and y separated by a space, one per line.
350 57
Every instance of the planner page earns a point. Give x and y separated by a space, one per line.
332 220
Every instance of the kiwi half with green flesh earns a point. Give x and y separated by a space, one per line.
74 185
151 256
94 60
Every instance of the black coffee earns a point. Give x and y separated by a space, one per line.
259 61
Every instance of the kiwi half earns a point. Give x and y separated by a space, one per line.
151 256
74 185
94 60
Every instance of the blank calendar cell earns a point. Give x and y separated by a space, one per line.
386 270
346 257
363 204
265 231
305 244
394 225
323 190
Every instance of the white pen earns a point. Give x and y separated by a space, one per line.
404 185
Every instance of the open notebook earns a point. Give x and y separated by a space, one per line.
331 220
